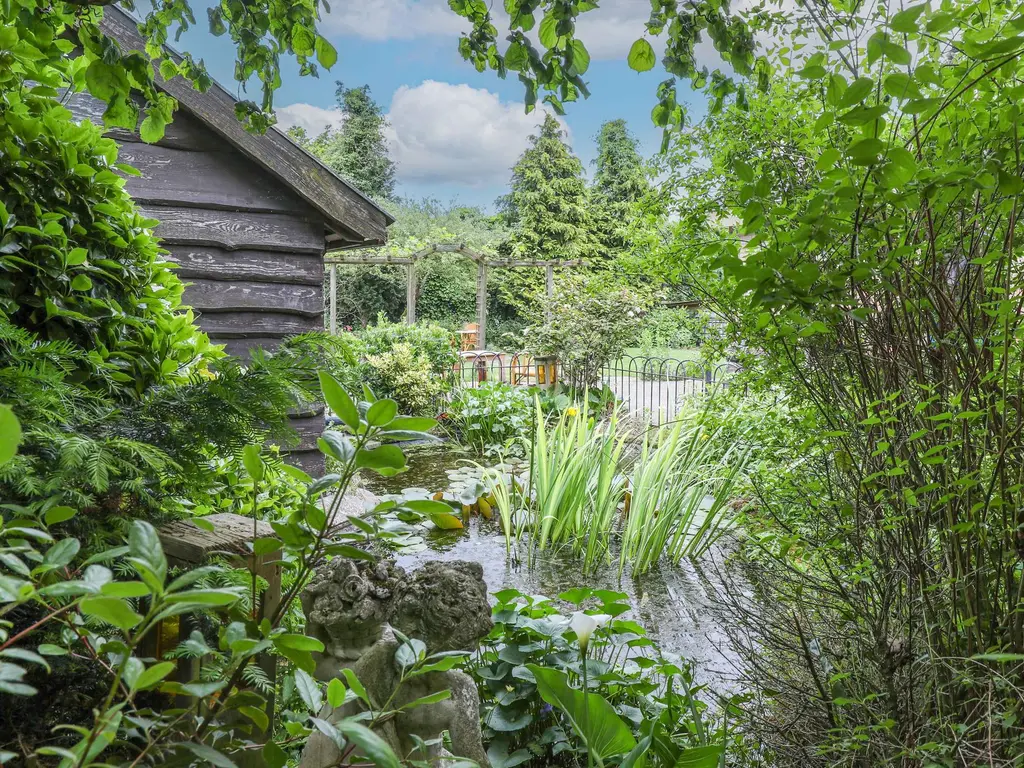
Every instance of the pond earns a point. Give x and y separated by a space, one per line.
677 604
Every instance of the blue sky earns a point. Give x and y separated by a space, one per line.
455 133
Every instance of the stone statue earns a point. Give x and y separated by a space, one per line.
351 606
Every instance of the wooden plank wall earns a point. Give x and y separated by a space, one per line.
250 250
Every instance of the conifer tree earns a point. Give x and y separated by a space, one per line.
620 183
358 150
548 205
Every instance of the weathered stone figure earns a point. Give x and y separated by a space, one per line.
352 606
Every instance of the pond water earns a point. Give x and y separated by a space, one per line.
677 604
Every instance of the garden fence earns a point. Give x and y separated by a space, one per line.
652 388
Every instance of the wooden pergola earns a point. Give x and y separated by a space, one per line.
483 264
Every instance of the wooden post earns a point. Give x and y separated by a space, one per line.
481 303
550 285
334 300
410 292
189 546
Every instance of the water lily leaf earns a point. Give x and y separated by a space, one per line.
446 521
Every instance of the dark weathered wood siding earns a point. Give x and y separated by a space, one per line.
250 250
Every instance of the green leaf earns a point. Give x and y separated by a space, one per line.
346 550
153 675
999 658
326 53
339 401
427 506
432 698
208 754
274 756
381 413
61 553
124 589
336 445
700 757
253 462
507 720
865 151
257 715
152 128
905 21
112 610
369 743
592 717
81 283
303 42
336 693
76 257
309 691
356 687
499 757
896 53
55 515
411 424
202 690
168 69
548 33
144 546
580 57
856 92
298 642
641 56
10 434
204 597
382 457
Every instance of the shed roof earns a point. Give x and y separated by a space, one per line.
352 218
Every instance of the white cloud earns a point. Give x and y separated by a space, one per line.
607 31
313 119
393 19
442 133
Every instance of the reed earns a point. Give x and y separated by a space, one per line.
681 486
577 483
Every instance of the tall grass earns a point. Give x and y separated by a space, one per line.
681 485
577 482
677 488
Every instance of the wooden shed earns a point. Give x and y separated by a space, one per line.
247 218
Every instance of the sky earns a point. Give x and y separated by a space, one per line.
454 132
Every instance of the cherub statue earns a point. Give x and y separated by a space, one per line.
352 606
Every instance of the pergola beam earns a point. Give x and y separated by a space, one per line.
483 264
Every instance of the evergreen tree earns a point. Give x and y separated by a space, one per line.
620 183
357 150
548 205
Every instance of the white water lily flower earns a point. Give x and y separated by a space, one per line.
584 625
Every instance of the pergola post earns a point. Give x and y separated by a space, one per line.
481 303
333 325
549 274
410 292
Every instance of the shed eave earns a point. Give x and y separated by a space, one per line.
345 209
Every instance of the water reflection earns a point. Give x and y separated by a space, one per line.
677 604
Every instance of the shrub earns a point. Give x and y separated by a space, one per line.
672 328
405 376
431 340
591 322
647 691
492 416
